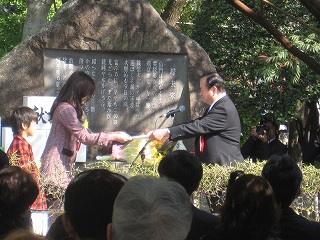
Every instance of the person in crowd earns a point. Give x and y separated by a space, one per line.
186 169
311 152
151 208
67 133
285 177
264 140
217 132
249 212
18 191
23 123
88 205
4 159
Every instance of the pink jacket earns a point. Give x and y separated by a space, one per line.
60 152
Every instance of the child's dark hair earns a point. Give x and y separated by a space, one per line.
22 115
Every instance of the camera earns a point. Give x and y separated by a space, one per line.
261 128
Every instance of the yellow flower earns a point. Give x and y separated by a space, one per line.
85 124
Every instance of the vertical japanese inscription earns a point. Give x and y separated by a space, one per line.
131 88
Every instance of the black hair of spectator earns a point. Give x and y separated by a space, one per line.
182 167
18 190
89 200
285 177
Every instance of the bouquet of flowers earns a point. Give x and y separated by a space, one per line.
140 151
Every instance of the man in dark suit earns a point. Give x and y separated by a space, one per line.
217 132
264 142
285 178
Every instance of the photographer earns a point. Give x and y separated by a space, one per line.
263 141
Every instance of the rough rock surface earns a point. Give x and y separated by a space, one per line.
123 25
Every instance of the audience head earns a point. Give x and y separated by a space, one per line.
249 208
182 167
21 118
151 208
285 177
78 89
18 190
89 200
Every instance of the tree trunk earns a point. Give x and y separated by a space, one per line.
172 12
303 129
296 134
36 16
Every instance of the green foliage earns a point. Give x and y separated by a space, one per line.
283 64
191 9
54 8
159 5
238 46
234 44
215 179
11 26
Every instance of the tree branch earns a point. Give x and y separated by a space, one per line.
262 21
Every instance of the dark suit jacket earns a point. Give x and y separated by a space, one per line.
256 149
221 130
202 223
296 227
311 153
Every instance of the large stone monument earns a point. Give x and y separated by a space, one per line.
106 25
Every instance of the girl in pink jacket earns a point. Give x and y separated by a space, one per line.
67 132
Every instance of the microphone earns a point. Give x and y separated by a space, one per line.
172 112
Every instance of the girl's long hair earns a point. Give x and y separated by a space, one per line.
78 86
250 210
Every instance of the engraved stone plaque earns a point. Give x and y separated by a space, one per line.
133 89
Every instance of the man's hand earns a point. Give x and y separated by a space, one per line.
254 134
159 134
121 137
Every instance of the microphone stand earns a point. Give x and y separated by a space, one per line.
141 152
